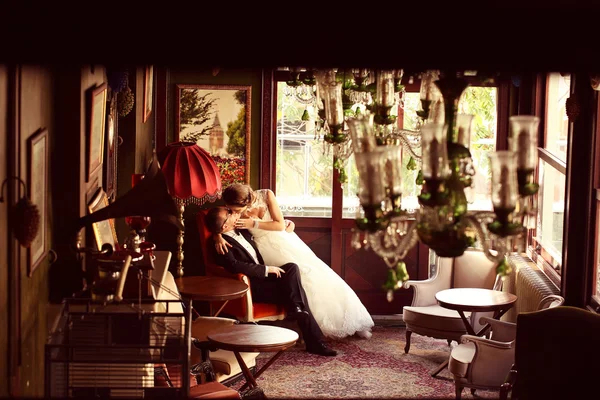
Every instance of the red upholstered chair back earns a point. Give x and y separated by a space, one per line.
244 309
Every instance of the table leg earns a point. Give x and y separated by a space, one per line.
439 369
221 309
468 326
260 371
247 374
497 315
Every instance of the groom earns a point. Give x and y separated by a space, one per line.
270 284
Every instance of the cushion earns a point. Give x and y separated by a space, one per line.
434 317
213 390
474 270
460 358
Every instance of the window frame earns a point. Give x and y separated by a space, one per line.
593 301
535 250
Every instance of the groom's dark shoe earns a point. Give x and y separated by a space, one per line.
298 314
320 348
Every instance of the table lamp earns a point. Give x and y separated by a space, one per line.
192 178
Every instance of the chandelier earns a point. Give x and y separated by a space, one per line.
340 95
441 144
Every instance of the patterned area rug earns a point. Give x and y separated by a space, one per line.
363 369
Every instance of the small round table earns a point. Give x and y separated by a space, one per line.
476 300
211 288
253 338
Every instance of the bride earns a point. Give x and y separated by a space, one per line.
335 306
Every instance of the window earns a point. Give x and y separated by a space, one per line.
410 190
551 172
596 275
304 174
481 102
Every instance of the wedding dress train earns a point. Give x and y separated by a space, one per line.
336 308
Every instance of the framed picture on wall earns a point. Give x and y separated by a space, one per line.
37 149
96 118
104 231
109 175
217 118
148 89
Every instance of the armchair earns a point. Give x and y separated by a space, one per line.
243 309
480 363
551 352
425 317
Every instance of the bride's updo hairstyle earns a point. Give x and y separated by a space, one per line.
237 195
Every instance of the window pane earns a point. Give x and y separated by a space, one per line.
551 211
410 190
304 172
481 102
557 124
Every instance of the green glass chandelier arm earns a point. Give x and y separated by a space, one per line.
410 147
408 132
479 221
389 247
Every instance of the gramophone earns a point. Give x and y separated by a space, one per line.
149 198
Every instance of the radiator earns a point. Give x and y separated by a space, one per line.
529 284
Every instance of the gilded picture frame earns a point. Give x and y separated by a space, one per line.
109 175
104 231
37 149
96 128
148 90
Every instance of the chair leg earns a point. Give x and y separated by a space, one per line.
449 342
407 346
457 390
473 391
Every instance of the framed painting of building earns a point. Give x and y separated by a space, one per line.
217 118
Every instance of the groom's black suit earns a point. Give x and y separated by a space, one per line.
287 289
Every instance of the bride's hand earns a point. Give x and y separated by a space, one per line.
289 225
221 244
244 223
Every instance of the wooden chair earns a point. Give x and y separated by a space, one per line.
243 309
480 363
556 355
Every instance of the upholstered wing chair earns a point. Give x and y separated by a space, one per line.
425 317
480 363
556 355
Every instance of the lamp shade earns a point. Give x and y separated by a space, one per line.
191 174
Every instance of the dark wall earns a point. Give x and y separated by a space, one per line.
135 151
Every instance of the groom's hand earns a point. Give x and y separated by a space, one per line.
275 270
221 244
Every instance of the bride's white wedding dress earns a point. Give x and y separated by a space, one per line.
335 306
